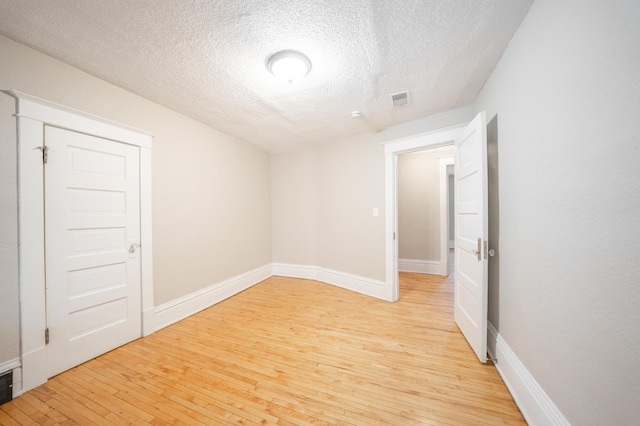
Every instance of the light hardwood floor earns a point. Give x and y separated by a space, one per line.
287 352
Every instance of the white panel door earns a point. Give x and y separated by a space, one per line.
92 231
471 232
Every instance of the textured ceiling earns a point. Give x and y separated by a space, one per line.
206 58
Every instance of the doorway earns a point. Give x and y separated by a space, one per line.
424 206
431 140
471 217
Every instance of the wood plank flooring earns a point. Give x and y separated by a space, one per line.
287 352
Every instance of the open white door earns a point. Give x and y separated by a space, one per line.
92 220
471 233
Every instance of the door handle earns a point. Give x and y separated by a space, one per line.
133 247
478 252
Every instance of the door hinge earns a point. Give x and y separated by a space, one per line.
46 336
45 153
394 236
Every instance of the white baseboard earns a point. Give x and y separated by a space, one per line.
363 285
535 405
35 369
359 284
9 365
434 267
306 272
185 306
14 366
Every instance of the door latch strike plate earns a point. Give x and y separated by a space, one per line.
487 251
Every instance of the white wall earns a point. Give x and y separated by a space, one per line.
322 201
350 185
9 313
294 179
325 195
211 192
567 96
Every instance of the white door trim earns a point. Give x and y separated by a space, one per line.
438 138
32 114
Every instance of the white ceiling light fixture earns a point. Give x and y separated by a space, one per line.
289 65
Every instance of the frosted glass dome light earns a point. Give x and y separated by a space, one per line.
289 65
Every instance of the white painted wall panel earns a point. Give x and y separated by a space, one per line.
325 196
567 96
9 316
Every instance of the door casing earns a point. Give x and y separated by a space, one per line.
444 137
438 138
32 114
444 212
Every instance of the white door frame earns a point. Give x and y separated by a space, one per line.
32 114
438 138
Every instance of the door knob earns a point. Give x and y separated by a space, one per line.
487 251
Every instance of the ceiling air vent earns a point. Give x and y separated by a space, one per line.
400 99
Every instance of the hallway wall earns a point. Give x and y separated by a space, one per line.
567 98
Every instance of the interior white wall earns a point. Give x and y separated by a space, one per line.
350 185
211 192
295 207
567 96
9 308
347 182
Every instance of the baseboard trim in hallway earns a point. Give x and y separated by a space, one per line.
533 401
